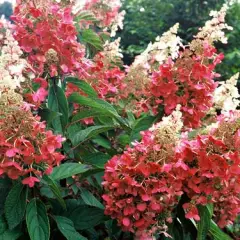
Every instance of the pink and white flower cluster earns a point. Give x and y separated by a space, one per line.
144 185
11 62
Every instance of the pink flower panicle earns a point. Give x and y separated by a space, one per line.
213 174
145 183
140 191
189 82
108 81
48 35
27 149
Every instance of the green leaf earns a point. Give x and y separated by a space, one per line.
3 225
15 205
84 86
90 199
217 233
85 15
57 102
131 118
176 230
210 208
114 231
91 173
45 191
90 37
66 227
96 103
105 107
5 187
203 225
94 234
140 125
68 170
86 217
188 226
123 139
102 141
48 115
107 120
10 235
71 131
55 189
6 234
73 204
96 159
37 220
87 113
88 133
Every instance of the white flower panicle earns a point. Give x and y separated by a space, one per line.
226 96
78 5
172 123
118 23
112 49
11 63
163 48
213 29
167 45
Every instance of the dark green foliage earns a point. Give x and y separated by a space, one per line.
231 62
6 9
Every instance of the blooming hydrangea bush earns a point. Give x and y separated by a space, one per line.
160 158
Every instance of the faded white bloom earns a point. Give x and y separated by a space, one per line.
78 5
172 123
211 127
118 23
226 96
213 29
11 63
163 48
112 49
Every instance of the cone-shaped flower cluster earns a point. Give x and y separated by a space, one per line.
27 149
213 172
105 75
46 32
140 190
189 82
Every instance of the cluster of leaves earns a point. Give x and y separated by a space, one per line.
6 9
